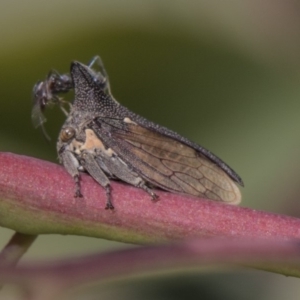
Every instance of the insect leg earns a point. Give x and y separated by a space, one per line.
108 205
92 167
114 165
71 164
77 185
61 103
96 65
144 187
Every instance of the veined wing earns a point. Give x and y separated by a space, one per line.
168 163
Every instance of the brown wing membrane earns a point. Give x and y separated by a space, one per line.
171 165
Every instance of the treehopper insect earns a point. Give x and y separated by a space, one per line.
108 141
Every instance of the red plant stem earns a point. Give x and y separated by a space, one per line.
38 197
277 256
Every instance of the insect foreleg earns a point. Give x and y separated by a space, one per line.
71 164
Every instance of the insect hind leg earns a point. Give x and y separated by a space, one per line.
142 185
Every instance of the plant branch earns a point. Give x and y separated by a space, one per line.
16 248
272 255
37 197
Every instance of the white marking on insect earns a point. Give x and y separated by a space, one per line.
92 143
129 121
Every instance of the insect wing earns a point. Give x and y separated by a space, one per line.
168 163
38 98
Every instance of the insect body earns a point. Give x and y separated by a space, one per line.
109 141
46 92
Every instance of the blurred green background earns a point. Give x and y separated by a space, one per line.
223 73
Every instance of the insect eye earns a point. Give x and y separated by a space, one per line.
67 133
